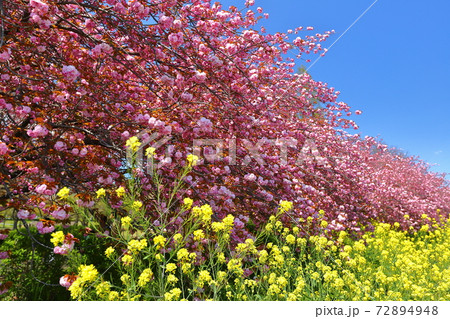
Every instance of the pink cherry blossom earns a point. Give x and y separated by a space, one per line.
64 282
25 214
250 177
5 55
39 7
44 229
41 189
37 131
205 124
59 146
200 76
60 214
70 73
64 249
197 71
3 148
176 39
83 151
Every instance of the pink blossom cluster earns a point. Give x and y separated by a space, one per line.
45 227
67 280
5 55
3 148
70 73
25 214
101 49
66 246
37 131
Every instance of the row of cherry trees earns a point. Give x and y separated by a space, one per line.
79 78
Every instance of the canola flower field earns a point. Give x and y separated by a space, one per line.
196 258
386 264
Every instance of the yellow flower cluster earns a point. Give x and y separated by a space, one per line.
150 151
235 266
177 237
125 279
145 277
133 143
285 206
109 252
86 275
172 295
159 241
103 289
171 267
226 225
192 160
127 260
136 205
247 247
199 235
63 193
101 192
126 221
204 277
57 238
137 245
203 213
120 192
188 202
183 254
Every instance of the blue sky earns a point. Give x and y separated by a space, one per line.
393 64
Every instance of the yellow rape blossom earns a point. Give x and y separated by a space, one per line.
63 193
290 239
86 275
120 192
102 289
125 278
177 237
109 251
133 143
57 238
101 192
159 241
192 160
199 235
136 205
188 203
137 245
204 277
173 294
145 277
126 221
172 279
171 267
127 260
183 254
203 213
150 151
285 206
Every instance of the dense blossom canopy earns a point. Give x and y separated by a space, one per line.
79 78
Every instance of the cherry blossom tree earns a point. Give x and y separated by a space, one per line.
79 78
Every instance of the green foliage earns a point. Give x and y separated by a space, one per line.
34 271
